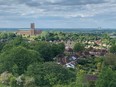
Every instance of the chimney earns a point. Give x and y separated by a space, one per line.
32 26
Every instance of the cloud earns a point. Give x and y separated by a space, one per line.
61 2
67 9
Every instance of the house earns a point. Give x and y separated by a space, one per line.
67 61
98 52
98 42
68 50
70 65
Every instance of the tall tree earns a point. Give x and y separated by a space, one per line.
49 74
79 47
113 49
49 50
18 59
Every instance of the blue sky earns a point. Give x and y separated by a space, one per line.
58 13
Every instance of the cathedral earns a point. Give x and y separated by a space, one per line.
30 32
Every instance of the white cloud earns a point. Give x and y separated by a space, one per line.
15 9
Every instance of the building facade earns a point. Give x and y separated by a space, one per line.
32 31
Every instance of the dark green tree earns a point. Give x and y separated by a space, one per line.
49 74
57 49
44 48
48 50
18 59
113 49
78 47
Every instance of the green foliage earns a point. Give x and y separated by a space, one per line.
78 47
13 82
57 49
80 78
44 36
23 58
45 50
18 59
4 38
29 82
7 35
49 50
12 43
105 36
62 85
79 82
15 69
5 78
107 78
113 49
88 64
2 85
48 74
51 36
110 60
1 45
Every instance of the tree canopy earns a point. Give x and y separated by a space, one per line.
113 49
18 58
49 50
48 74
78 47
107 78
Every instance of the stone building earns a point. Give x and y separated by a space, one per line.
32 31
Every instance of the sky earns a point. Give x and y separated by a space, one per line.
58 13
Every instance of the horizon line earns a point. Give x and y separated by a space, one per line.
55 28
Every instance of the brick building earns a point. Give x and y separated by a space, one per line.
32 31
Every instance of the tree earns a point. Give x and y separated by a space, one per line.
18 59
113 49
49 50
5 78
44 35
57 49
107 78
78 47
7 35
13 43
49 74
3 35
29 82
110 60
1 45
106 36
61 46
80 78
13 82
44 48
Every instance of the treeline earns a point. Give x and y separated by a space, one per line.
31 64
25 63
67 36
